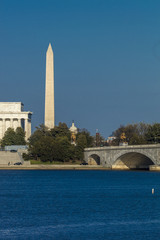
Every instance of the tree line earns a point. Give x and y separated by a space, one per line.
138 133
50 144
13 137
55 144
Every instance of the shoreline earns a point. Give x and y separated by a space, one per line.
52 167
153 168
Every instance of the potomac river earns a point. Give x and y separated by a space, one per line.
79 205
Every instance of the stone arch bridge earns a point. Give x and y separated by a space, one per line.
124 157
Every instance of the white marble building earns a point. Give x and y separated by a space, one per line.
12 115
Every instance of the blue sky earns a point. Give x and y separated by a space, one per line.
107 60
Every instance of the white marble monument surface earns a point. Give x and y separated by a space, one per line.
12 115
49 91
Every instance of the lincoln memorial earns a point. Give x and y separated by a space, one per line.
13 116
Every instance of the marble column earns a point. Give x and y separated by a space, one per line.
1 128
26 127
29 128
19 122
11 122
4 126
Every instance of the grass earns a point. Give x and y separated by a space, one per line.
53 163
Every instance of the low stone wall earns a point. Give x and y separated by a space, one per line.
26 163
51 167
9 158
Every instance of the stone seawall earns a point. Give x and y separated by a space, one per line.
7 157
28 166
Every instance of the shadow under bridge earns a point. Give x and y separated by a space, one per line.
132 160
94 159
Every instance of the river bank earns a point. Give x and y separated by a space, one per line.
52 167
70 167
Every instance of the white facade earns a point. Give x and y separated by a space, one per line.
13 116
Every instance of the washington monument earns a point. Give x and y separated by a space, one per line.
49 91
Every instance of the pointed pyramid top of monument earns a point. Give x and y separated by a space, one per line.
50 47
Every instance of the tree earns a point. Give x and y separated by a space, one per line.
12 137
61 131
135 133
55 144
98 140
89 138
81 144
63 149
9 137
43 149
153 133
137 140
20 136
40 132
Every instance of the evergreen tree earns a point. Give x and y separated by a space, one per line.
12 137
63 149
61 131
20 136
55 144
81 144
9 138
40 132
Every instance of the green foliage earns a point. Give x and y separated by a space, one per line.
139 133
81 144
153 133
89 139
40 131
61 131
9 137
12 137
55 144
44 148
25 156
63 150
20 136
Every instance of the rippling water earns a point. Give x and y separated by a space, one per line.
79 205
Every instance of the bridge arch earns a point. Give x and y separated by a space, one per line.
133 160
94 159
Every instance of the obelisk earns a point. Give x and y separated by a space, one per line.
49 91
